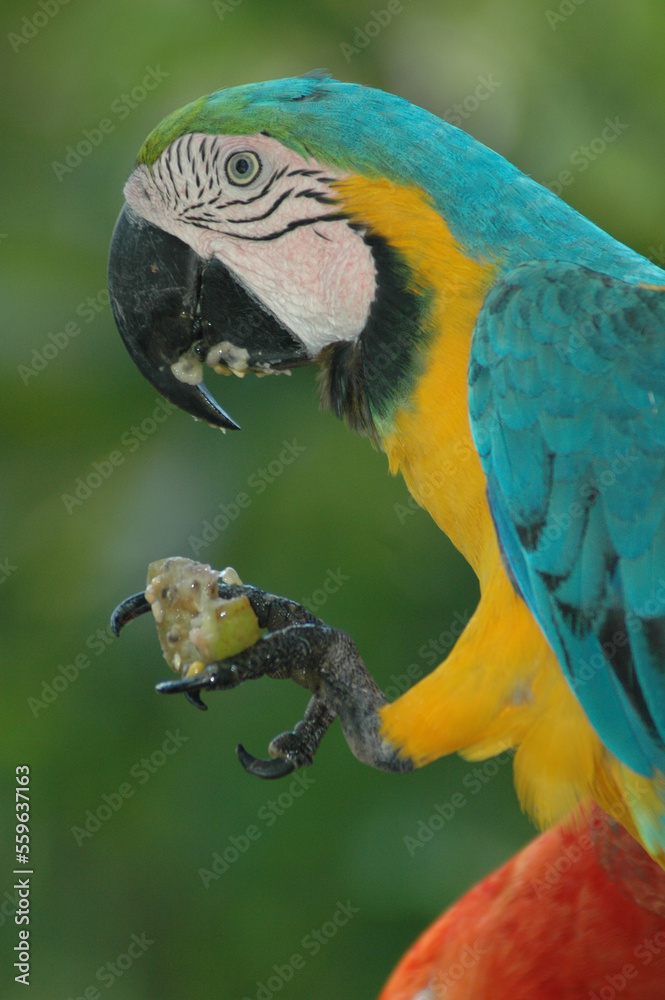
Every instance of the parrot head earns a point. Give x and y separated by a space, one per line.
243 246
307 220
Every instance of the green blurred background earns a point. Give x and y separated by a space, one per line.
70 396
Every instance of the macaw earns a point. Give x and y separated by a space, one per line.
506 354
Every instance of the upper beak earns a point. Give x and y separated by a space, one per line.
154 281
172 308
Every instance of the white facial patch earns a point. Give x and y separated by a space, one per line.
277 234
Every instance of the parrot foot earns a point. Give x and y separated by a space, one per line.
301 648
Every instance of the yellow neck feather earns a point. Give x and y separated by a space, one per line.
431 442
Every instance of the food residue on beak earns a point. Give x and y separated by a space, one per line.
226 357
188 368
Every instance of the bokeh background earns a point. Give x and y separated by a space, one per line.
79 708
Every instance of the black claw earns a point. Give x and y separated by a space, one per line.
182 685
194 697
129 609
269 769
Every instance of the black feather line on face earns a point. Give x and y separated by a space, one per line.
363 381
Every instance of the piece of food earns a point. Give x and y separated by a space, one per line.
194 624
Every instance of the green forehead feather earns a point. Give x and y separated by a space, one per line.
177 123
275 107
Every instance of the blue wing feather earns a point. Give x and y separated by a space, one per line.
567 406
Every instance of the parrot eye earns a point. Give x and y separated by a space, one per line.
243 168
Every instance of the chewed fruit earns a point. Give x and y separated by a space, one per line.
194 624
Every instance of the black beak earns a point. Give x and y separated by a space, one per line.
154 281
168 303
